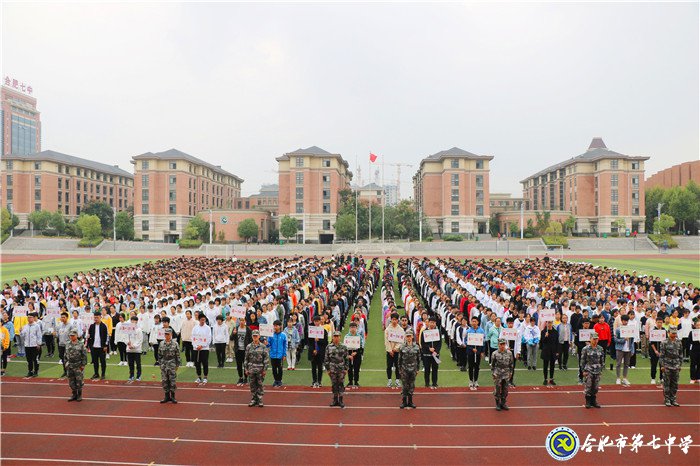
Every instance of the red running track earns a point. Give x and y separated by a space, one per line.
125 424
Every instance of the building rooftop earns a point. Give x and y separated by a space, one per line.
313 151
597 150
457 152
53 156
174 154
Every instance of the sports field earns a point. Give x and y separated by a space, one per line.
61 267
374 364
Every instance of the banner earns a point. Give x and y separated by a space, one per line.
627 331
657 335
585 334
396 336
547 315
238 312
509 333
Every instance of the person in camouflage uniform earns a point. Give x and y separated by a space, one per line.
592 363
75 359
409 365
502 370
670 359
169 357
337 362
257 359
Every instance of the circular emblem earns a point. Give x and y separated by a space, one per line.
224 219
562 444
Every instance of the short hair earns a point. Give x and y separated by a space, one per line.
219 317
625 317
64 314
394 315
277 322
353 324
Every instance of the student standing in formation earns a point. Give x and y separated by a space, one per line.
592 362
97 345
336 361
241 337
293 340
502 363
63 329
408 356
474 354
277 345
257 359
671 359
580 345
31 336
317 353
221 337
624 348
391 348
75 359
169 357
654 352
461 344
549 347
695 356
134 342
355 358
202 334
430 351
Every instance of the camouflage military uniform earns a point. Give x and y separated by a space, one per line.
336 360
257 359
670 359
501 369
409 365
169 357
592 362
75 360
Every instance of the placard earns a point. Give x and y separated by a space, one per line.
199 341
431 335
352 342
475 339
547 315
510 334
161 334
627 331
53 311
395 336
316 332
585 334
238 312
20 311
657 335
129 328
266 330
87 319
696 334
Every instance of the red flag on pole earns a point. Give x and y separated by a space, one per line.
372 157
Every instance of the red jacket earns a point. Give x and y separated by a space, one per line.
603 331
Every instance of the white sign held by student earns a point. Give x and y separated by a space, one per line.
475 339
316 332
585 334
396 336
430 336
547 315
657 335
627 331
238 312
509 333
696 334
266 330
20 311
352 342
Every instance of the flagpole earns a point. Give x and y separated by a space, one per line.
369 172
356 185
383 199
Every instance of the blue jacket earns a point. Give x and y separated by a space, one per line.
620 342
278 345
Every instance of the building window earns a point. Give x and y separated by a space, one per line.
635 165
171 195
8 165
454 179
613 209
9 180
68 210
479 196
37 206
37 194
300 178
144 181
326 224
479 164
455 209
635 181
613 164
326 207
9 194
326 194
454 163
37 180
60 196
480 210
173 165
300 162
37 165
144 208
613 180
613 195
300 208
479 181
455 195
635 210
326 163
455 227
326 180
172 179
144 194
172 210
145 237
60 183
635 196
144 225
144 165
299 193
173 225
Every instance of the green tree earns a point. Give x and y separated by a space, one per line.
191 232
514 228
124 226
40 219
554 229
9 221
400 231
345 226
289 227
664 224
199 229
104 212
248 229
620 225
570 224
57 222
652 198
683 206
90 227
494 228
542 219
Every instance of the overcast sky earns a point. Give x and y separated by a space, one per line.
240 84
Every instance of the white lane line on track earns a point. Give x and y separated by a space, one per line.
209 403
59 460
340 424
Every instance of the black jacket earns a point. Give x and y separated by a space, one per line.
549 343
234 337
104 338
425 346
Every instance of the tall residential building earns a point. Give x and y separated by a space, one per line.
171 187
371 192
503 202
53 181
310 181
21 124
597 187
452 190
677 175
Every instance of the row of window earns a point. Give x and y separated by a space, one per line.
219 178
454 163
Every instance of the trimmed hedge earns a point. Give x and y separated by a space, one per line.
4 237
556 241
659 240
89 243
190 243
452 237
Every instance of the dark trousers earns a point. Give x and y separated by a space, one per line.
473 361
187 346
220 353
201 361
155 350
392 361
563 354
430 370
122 350
32 353
548 365
694 366
62 353
112 342
317 369
134 359
685 342
604 344
50 344
276 364
99 358
5 354
354 372
240 358
461 356
654 362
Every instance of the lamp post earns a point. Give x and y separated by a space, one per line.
211 225
114 228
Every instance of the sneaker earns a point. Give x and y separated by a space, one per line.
625 382
618 382
471 384
131 380
551 382
653 382
388 383
198 380
138 379
398 383
107 355
95 377
633 367
204 380
545 382
60 361
476 384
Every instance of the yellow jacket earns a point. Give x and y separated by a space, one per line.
5 338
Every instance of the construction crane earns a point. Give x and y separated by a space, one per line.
398 176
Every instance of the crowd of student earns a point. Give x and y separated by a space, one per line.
539 307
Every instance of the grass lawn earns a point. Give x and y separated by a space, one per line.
687 270
61 267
